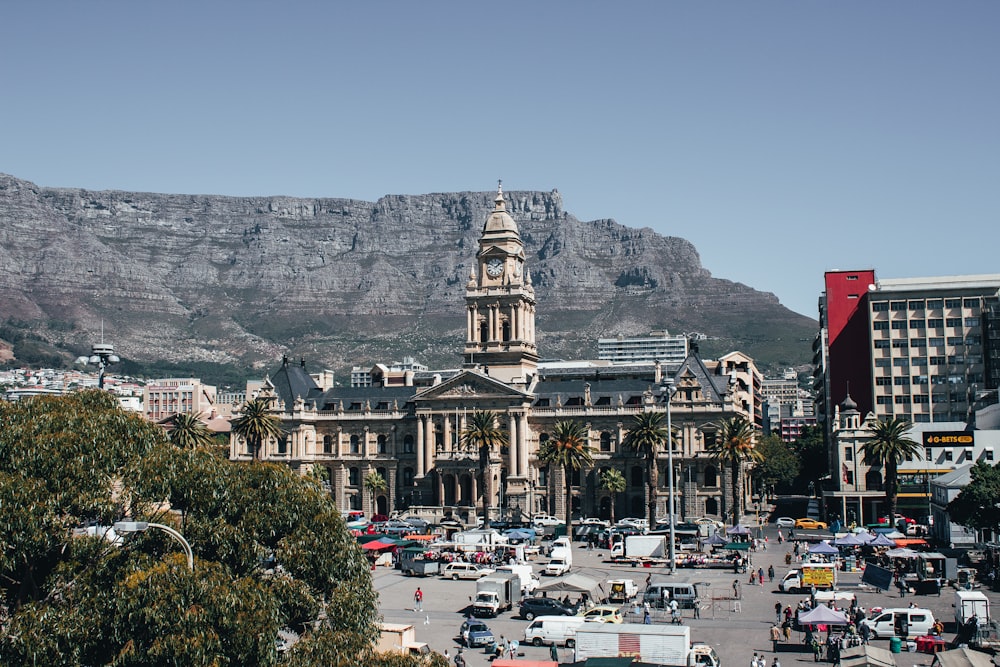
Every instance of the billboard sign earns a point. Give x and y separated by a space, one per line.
949 439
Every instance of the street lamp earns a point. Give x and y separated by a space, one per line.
668 392
103 355
125 527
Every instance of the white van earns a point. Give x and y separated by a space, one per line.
553 630
900 622
660 593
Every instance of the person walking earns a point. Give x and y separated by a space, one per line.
770 574
775 637
776 662
753 660
786 629
736 589
554 652
760 576
418 600
777 612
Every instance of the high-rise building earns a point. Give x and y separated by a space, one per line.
657 346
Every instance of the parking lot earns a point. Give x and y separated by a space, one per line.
734 630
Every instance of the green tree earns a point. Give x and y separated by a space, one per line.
889 446
977 506
734 446
568 448
814 462
647 435
70 599
482 435
778 466
187 431
256 425
375 484
613 482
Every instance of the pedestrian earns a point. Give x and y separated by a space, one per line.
697 608
459 659
786 629
418 600
753 578
775 637
646 618
753 660
776 663
554 652
780 538
447 656
736 589
760 575
770 574
777 612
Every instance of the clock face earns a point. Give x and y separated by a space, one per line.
494 267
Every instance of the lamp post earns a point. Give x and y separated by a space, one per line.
103 355
125 527
668 392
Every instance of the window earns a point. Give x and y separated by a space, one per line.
952 303
327 444
917 324
355 445
953 322
711 476
920 398
408 444
848 454
902 400
956 340
989 454
883 400
899 324
880 326
935 341
883 382
901 363
916 305
882 363
919 379
918 342
918 361
934 303
354 477
928 454
956 359
936 361
900 344
973 340
283 444
935 323
382 444
851 278
898 306
948 455
901 381
882 344
971 303
605 441
880 306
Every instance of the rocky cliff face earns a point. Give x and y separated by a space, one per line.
342 282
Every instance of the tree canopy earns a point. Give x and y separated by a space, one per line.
271 550
568 448
647 435
977 506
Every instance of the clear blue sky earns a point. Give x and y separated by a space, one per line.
781 138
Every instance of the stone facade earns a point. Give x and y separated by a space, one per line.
410 431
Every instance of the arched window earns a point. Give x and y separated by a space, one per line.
408 444
711 476
354 475
506 331
328 444
575 477
638 476
543 477
282 444
381 444
355 444
484 332
605 441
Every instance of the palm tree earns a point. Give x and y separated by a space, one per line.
888 447
483 435
375 483
189 432
734 445
613 482
647 437
256 425
567 447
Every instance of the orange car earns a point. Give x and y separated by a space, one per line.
810 524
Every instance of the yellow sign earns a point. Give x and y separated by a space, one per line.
817 576
945 438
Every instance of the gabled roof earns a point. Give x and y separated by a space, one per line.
470 384
292 381
713 387
957 478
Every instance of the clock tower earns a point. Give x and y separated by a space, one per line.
500 303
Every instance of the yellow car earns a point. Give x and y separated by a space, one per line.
810 524
603 614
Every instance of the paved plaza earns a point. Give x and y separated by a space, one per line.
735 631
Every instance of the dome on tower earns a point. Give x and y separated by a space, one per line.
499 220
848 404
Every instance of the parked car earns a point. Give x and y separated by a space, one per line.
545 520
634 522
705 521
451 522
416 522
465 571
785 522
810 524
603 613
529 608
379 518
476 633
594 521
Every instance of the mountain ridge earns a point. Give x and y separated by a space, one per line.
243 280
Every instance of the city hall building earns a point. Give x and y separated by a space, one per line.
406 422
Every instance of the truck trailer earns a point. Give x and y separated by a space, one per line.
665 645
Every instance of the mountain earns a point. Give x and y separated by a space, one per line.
342 282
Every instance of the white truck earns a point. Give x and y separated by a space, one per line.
621 590
657 644
496 593
400 638
640 546
822 576
560 561
529 582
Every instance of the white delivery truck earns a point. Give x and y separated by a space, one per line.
822 576
496 593
657 644
640 546
400 638
524 571
969 604
560 560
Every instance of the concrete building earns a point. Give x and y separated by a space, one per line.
657 346
408 427
171 396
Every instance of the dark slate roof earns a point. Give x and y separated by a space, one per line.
292 381
714 387
331 399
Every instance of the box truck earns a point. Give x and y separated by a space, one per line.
656 644
496 593
808 575
640 546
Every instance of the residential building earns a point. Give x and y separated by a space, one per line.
657 346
